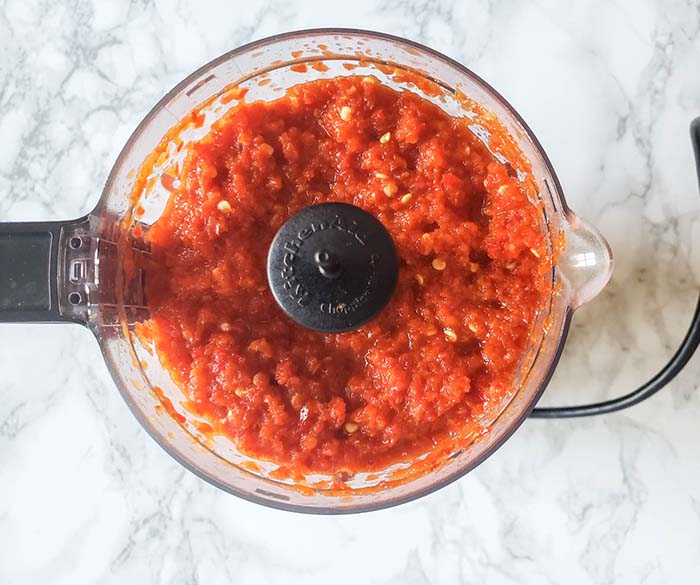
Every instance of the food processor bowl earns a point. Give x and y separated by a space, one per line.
86 270
264 71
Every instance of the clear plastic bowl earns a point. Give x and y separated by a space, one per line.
114 305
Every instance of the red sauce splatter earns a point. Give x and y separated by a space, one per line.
319 66
250 466
167 180
168 405
235 93
197 119
203 427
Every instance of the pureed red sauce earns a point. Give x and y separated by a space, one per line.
439 356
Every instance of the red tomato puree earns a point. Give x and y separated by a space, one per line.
439 356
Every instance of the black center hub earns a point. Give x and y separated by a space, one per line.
332 267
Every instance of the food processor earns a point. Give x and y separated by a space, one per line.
86 270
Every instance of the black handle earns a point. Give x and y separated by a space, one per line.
684 352
31 271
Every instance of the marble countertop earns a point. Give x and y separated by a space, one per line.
609 87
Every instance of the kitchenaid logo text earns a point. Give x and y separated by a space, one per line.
346 308
290 281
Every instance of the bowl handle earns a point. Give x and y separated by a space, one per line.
685 351
36 282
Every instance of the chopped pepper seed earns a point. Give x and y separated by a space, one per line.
450 334
439 264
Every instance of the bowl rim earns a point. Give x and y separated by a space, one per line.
513 425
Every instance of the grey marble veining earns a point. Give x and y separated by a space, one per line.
609 88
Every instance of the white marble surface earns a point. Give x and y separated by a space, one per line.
609 87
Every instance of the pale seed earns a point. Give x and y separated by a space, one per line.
345 113
225 326
381 175
406 198
351 427
385 138
472 328
473 266
419 279
535 253
266 149
502 189
390 189
223 205
450 334
439 264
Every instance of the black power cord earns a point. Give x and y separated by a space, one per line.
684 352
